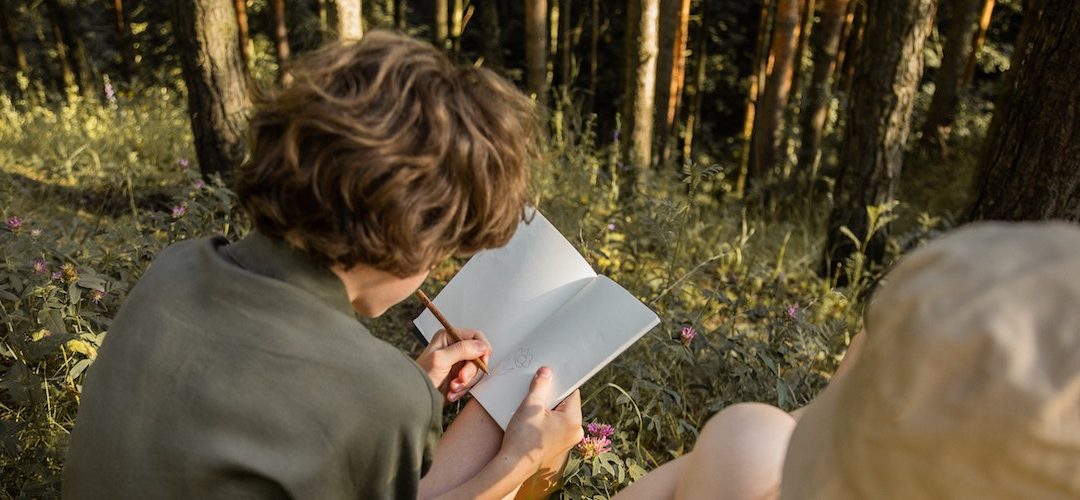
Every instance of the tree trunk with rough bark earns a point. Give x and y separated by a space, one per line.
671 71
441 29
947 85
693 112
350 19
770 117
1031 165
815 109
247 51
888 68
218 97
753 96
536 49
805 32
640 157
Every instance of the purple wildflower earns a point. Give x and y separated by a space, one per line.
793 311
199 184
596 429
96 295
179 211
56 275
184 163
110 93
611 226
593 446
40 267
14 223
688 333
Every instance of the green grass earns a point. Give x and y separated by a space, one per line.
99 182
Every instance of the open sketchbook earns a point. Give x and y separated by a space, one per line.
539 303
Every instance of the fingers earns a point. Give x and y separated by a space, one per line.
459 351
539 388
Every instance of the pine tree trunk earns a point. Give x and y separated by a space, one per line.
693 113
70 50
441 31
123 39
665 64
246 49
281 38
564 53
885 83
815 109
753 97
536 50
805 32
644 88
1031 165
978 41
11 38
457 26
958 43
594 52
401 14
350 19
777 88
852 44
489 20
218 98
671 72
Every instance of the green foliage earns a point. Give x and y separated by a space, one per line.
100 190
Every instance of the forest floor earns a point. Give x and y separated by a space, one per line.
99 190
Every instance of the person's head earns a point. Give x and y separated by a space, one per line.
383 154
968 385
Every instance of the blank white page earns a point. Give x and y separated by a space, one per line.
576 341
507 291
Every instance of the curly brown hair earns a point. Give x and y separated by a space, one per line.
384 153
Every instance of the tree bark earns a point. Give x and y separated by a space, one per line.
777 88
123 39
1031 165
693 113
947 86
852 43
218 98
493 48
246 49
815 112
457 27
594 51
11 38
442 26
671 73
644 88
536 50
565 51
978 41
281 38
401 14
805 32
70 50
886 80
350 19
753 97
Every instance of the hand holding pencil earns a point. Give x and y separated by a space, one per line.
442 358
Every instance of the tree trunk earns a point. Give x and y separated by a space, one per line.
644 89
123 39
457 27
885 83
281 38
246 49
536 50
441 31
693 113
594 52
753 97
958 44
777 88
1031 165
808 13
852 44
564 52
671 72
350 19
218 98
978 41
815 110
489 20
401 14
70 49
11 38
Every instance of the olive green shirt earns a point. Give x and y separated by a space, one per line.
240 371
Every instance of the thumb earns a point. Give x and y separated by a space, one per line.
539 389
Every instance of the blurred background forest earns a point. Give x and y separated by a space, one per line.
747 168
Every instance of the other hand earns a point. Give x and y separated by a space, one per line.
540 435
449 363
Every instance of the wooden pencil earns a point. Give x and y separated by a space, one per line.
446 325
